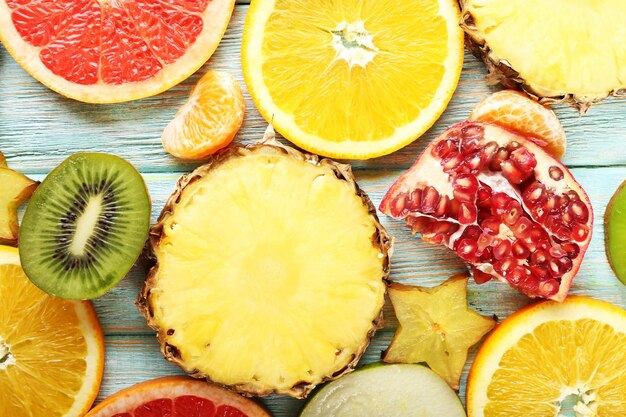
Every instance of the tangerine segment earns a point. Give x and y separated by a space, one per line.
51 350
550 356
209 120
352 79
91 50
176 397
515 110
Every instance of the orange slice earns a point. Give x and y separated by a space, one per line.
209 120
177 397
517 111
51 350
103 51
352 79
550 359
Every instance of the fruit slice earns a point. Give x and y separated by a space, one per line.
112 51
435 327
559 49
51 350
501 203
176 397
281 287
15 189
550 358
352 79
386 390
514 110
85 226
615 232
209 120
3 161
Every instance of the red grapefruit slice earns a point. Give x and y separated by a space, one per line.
177 397
109 51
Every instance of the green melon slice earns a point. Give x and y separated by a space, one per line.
386 391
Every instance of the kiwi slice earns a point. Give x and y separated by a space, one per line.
85 226
615 232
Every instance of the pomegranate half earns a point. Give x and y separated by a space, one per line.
501 203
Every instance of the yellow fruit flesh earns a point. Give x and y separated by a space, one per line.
267 273
42 350
558 46
15 188
354 77
557 359
436 327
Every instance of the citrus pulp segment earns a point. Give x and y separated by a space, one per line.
51 350
111 51
176 397
550 356
209 120
352 79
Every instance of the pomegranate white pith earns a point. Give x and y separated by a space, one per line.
501 203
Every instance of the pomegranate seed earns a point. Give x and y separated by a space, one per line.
501 155
559 267
484 241
539 271
451 162
523 160
467 213
442 206
430 199
481 277
580 232
539 213
563 232
469 145
511 146
500 201
445 228
503 250
466 248
443 148
474 162
488 152
472 131
464 195
453 208
487 255
552 204
519 250
556 173
571 249
491 225
503 266
513 212
548 288
415 200
484 193
578 211
516 275
418 224
539 257
512 173
465 182
398 204
534 194
563 201
542 244
522 228
557 251
472 232
573 196
566 218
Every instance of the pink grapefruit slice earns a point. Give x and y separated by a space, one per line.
109 51
177 397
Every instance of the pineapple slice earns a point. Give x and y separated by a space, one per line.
436 327
270 271
15 189
558 49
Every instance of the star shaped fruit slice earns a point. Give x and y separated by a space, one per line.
436 327
15 188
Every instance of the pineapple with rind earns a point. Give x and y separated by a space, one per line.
555 50
270 271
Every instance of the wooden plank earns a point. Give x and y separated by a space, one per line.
134 129
413 260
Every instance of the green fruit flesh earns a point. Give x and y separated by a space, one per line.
85 226
615 232
385 391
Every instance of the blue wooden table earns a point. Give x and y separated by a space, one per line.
39 128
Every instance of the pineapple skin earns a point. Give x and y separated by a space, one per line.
269 144
500 72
